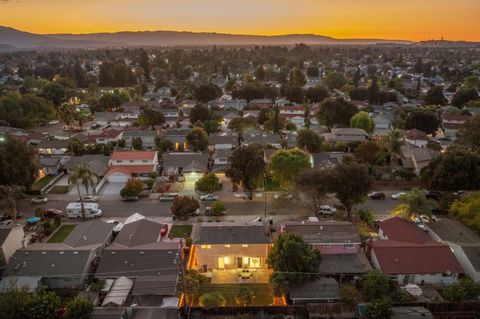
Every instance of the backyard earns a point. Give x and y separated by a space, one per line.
62 233
180 231
42 182
262 293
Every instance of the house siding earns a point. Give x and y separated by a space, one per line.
210 256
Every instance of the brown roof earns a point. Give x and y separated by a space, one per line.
129 169
407 258
402 230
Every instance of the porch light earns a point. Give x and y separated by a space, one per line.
245 260
226 260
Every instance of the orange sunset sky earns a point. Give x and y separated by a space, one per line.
389 19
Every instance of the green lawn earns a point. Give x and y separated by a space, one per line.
61 233
42 182
180 231
263 293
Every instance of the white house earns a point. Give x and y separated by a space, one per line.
123 165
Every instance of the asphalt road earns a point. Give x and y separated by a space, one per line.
113 207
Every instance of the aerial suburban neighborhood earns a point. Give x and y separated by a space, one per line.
240 181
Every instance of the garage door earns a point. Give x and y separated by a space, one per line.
117 178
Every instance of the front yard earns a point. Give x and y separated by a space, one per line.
180 231
62 233
262 294
42 182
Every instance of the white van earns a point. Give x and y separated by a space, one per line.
92 210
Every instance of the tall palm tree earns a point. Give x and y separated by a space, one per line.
83 175
394 146
414 204
10 193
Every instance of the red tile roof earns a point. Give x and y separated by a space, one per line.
405 258
133 155
130 169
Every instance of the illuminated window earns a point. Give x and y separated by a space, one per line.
254 262
226 260
228 246
244 245
206 246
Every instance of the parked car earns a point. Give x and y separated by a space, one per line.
398 195
53 212
326 210
376 195
461 193
89 199
168 197
130 198
209 198
240 195
39 200
7 223
433 195
282 196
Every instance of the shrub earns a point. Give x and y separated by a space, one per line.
366 215
133 187
78 308
208 183
349 294
218 208
149 182
212 300
184 206
244 297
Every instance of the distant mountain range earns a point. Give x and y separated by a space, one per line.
12 39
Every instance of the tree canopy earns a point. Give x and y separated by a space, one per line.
435 96
208 183
285 165
184 206
425 121
246 166
309 140
197 139
363 121
200 113
336 111
18 162
469 134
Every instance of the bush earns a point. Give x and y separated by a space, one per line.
149 182
349 294
78 308
218 208
184 206
244 297
379 309
208 183
98 285
133 187
212 300
47 228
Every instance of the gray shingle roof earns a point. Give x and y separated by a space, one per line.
218 234
473 255
4 232
184 159
324 232
48 263
155 286
333 264
137 263
454 232
322 288
89 233
141 232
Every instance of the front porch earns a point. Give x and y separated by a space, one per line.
228 276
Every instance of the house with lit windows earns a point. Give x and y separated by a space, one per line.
234 253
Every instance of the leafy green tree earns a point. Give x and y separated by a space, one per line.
83 175
184 206
133 187
316 94
357 77
10 194
336 111
149 117
137 143
359 94
55 93
373 92
200 113
249 91
293 261
467 210
309 140
472 82
197 139
351 184
291 127
313 71
296 77
394 146
264 115
26 111
425 121
466 289
78 308
164 145
144 62
15 302
109 101
453 170
240 124
218 208
367 152
335 80
18 162
105 76
463 96
260 73
363 121
211 126
375 285
44 305
314 185
247 166
285 165
204 93
469 134
435 96
122 75
208 183
212 300
293 93
414 204
379 309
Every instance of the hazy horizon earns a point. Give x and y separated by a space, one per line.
413 20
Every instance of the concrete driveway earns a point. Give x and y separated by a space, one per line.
111 188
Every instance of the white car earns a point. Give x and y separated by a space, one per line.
240 195
282 196
39 200
398 195
326 210
89 199
209 198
